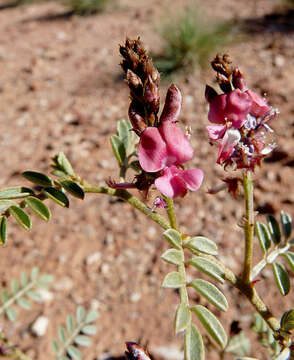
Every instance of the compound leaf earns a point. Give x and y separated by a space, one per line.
38 207
211 293
281 278
21 217
202 244
182 318
173 280
193 345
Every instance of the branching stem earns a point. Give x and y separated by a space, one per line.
248 226
244 287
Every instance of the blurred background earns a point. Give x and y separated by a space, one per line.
61 89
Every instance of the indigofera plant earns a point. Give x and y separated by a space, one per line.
152 149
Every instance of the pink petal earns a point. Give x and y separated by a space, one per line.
152 150
238 107
217 106
179 149
259 105
226 147
193 178
216 132
173 104
171 185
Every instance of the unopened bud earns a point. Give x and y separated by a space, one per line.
172 105
134 83
210 93
136 119
135 352
238 80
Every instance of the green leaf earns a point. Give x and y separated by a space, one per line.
55 346
281 278
80 315
208 267
34 273
34 296
118 149
3 230
173 280
45 279
263 236
259 325
290 259
287 320
15 192
211 324
73 188
89 330
73 352
286 221
64 164
62 334
274 228
70 323
194 348
124 133
23 279
202 244
173 256
211 293
21 217
38 207
57 196
11 314
14 286
174 238
239 345
4 296
82 340
37 178
182 318
24 303
91 316
5 205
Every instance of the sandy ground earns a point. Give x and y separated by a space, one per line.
61 90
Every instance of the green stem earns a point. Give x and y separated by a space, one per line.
12 351
129 198
170 210
269 259
248 226
240 284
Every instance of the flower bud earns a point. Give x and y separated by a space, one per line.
172 105
136 119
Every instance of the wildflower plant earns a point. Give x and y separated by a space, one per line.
152 152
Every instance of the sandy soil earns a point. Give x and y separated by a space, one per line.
61 90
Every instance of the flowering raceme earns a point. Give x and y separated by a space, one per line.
163 147
240 119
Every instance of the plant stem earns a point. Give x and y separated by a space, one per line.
129 198
248 226
171 213
269 259
12 351
244 287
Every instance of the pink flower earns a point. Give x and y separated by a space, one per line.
232 107
227 145
259 106
163 146
175 182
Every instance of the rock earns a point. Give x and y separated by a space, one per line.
94 258
39 327
135 297
168 352
64 284
45 295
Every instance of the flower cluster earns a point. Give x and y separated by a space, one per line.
239 118
163 147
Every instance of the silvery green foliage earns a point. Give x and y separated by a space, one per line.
15 201
75 334
22 291
274 240
266 336
193 342
124 147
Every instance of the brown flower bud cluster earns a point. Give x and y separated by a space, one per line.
143 81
